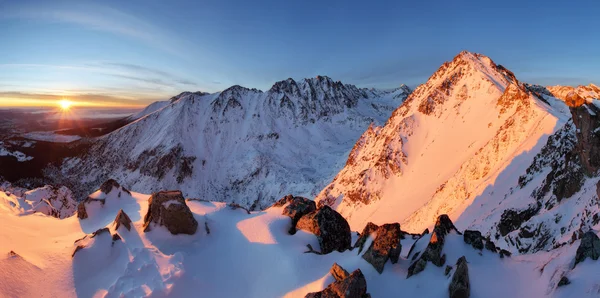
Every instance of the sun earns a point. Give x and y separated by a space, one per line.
65 104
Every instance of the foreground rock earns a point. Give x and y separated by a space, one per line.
331 229
433 252
122 219
296 208
352 285
473 238
386 246
459 286
588 248
168 209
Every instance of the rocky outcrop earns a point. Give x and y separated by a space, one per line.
433 252
296 208
585 118
82 209
386 246
511 219
352 285
459 286
168 209
369 229
331 229
338 272
88 240
473 238
588 248
122 219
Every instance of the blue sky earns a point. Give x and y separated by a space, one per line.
134 52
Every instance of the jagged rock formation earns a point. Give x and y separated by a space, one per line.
168 209
588 248
585 118
122 219
331 229
346 285
386 245
460 286
296 208
244 141
433 252
369 229
473 238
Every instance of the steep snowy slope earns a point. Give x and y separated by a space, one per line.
236 254
240 145
472 126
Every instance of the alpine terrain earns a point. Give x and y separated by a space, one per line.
475 184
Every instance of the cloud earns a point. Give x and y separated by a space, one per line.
100 18
89 99
150 71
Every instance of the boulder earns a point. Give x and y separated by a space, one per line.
331 229
122 219
168 208
386 245
296 208
353 285
473 238
588 248
563 281
369 229
459 286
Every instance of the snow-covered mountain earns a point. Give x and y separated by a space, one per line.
454 138
239 145
590 91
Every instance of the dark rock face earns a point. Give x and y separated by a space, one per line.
459 286
512 219
433 252
122 219
563 281
585 118
505 253
369 229
354 285
297 207
168 208
473 238
109 185
331 229
385 246
588 248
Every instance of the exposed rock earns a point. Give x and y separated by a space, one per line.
511 220
52 201
448 270
338 272
563 281
433 252
588 248
108 186
585 118
283 201
459 286
369 229
78 248
473 238
489 245
296 208
122 219
99 232
425 232
353 285
168 208
505 253
386 245
331 229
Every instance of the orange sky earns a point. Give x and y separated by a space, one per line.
76 102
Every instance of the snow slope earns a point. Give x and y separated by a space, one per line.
473 126
240 145
242 255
